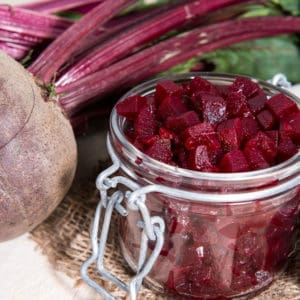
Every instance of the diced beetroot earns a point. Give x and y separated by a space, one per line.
167 88
257 103
249 128
171 106
161 150
198 158
280 105
234 161
165 133
286 148
266 119
291 126
265 144
274 135
199 84
138 145
145 123
196 102
237 105
147 140
177 281
255 158
196 130
223 90
230 134
131 106
213 108
182 121
248 87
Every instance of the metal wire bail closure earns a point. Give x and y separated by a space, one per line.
152 229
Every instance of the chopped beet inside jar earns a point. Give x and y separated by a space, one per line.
200 128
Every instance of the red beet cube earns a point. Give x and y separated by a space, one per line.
161 150
199 84
265 144
234 161
266 119
249 128
223 90
182 121
210 140
280 105
291 126
257 103
165 133
286 148
230 134
213 108
237 105
131 106
167 88
274 135
147 140
248 87
145 123
196 130
255 158
198 158
171 106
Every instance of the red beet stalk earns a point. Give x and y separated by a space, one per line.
61 49
31 23
143 64
138 35
114 26
16 51
55 6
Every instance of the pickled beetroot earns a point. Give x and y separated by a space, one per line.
171 106
145 124
180 122
280 105
131 106
257 102
266 119
160 150
217 251
230 134
203 122
291 126
248 87
234 161
213 108
167 88
237 105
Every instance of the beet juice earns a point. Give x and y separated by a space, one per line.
226 147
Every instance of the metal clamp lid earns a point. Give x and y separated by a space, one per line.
152 229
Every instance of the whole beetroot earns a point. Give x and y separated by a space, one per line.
38 153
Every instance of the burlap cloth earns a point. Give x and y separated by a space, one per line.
65 238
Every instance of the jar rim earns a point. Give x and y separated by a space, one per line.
279 171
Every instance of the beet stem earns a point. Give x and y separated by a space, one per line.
145 63
32 23
58 52
143 32
55 6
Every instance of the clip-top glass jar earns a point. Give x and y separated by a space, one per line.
226 235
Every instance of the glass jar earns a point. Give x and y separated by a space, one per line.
226 235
